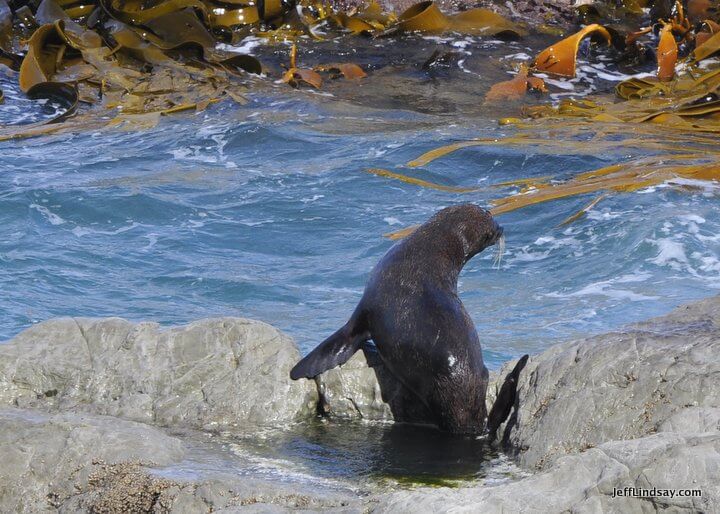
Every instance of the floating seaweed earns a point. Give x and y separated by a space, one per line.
673 114
107 59
674 161
125 64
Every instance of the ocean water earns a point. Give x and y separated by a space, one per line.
266 211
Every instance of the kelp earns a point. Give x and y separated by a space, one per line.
367 20
583 211
628 176
136 57
426 17
72 65
560 58
680 154
348 70
515 88
709 47
690 102
295 76
419 182
667 54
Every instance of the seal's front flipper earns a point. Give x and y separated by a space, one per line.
334 351
505 399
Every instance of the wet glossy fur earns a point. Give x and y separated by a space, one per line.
412 312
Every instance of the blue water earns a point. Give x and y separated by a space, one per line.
265 211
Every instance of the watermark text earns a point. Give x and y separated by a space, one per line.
656 492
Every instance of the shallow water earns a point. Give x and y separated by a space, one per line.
358 457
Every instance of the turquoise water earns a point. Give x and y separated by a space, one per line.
266 211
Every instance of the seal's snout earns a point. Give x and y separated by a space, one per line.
494 233
498 232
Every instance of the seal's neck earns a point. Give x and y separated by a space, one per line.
452 253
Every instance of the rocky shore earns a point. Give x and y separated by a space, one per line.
104 416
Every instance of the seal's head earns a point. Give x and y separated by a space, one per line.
473 227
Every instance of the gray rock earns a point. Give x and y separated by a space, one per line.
352 391
215 372
693 420
89 463
621 386
639 408
363 388
588 482
43 456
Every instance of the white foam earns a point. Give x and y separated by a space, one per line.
246 47
693 218
520 56
605 214
610 76
312 199
604 288
608 288
528 256
560 84
52 218
83 231
672 253
193 153
152 239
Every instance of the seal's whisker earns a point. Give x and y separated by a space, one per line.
499 251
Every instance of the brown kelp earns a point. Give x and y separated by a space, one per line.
126 64
673 116
108 59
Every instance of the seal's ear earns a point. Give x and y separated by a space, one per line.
334 351
505 399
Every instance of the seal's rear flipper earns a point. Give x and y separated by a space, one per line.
334 351
505 399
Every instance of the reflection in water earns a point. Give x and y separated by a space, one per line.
375 452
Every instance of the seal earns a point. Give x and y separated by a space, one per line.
424 336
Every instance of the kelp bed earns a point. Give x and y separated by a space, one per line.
137 61
674 114
124 64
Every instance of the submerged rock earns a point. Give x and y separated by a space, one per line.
214 372
534 12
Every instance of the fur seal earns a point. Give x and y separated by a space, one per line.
423 334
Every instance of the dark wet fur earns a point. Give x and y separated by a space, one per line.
412 312
505 400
